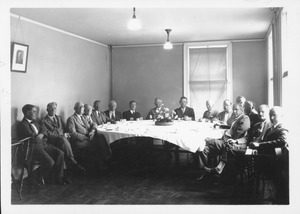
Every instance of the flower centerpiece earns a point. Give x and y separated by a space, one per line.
165 117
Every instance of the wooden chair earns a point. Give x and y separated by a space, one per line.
23 149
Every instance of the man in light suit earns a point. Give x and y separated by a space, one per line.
153 113
58 135
97 115
50 157
226 114
184 112
112 114
131 114
84 135
210 114
233 142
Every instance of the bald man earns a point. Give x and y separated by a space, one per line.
84 135
97 115
275 136
112 114
210 114
153 113
259 129
226 114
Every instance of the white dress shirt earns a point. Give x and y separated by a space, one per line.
33 126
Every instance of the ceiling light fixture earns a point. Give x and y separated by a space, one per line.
134 24
168 44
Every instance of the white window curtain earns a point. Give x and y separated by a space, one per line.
207 77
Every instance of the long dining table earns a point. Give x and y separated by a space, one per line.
188 135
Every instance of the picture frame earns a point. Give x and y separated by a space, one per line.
19 57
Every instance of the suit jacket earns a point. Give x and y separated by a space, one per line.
118 116
78 128
99 119
254 118
127 115
221 116
152 114
187 112
274 138
259 130
55 130
238 131
210 114
26 130
90 121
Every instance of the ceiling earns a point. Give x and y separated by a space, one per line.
109 25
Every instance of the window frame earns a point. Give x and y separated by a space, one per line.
186 74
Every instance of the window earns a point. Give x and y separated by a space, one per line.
207 74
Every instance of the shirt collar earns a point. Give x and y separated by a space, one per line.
29 120
51 117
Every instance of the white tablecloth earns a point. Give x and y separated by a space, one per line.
189 135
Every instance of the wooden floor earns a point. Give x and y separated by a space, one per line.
136 183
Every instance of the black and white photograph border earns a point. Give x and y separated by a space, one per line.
5 108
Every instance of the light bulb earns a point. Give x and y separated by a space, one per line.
134 24
168 45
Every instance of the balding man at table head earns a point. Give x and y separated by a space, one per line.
184 112
153 113
131 114
98 116
112 114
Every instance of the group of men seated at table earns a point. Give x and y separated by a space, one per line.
54 141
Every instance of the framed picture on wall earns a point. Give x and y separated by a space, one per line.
19 56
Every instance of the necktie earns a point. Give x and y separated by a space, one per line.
54 120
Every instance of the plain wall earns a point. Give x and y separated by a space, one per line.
145 72
250 71
61 68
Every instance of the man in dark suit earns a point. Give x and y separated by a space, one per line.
50 157
259 129
131 114
210 114
184 112
226 114
97 115
233 142
272 165
58 136
111 113
251 112
154 112
84 135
